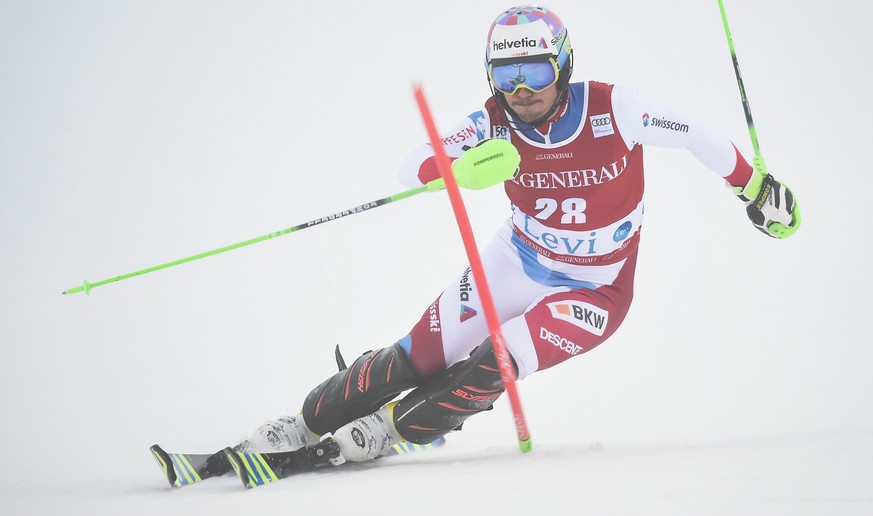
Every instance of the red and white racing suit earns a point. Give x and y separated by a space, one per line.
561 270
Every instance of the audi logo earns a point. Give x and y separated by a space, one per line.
600 122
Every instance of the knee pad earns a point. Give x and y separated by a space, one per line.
449 398
375 378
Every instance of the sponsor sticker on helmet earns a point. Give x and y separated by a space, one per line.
529 39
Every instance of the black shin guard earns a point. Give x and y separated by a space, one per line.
375 378
449 398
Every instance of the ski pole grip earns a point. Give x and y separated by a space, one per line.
487 164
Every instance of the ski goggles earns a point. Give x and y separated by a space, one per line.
535 76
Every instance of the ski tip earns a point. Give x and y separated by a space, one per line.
238 467
166 464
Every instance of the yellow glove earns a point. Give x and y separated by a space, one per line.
489 163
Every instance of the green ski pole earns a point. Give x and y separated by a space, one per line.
748 110
480 168
758 161
86 287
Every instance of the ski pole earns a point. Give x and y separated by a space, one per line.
86 287
758 162
504 361
745 100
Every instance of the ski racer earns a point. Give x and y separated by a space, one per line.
562 267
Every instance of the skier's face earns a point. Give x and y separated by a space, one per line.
529 105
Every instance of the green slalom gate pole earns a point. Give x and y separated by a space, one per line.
86 287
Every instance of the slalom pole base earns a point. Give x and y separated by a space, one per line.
525 445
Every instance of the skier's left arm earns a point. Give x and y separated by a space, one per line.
646 119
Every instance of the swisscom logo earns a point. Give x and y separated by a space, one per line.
664 124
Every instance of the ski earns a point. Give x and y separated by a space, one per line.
182 469
404 447
257 469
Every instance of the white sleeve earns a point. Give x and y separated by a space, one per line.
412 165
418 168
646 119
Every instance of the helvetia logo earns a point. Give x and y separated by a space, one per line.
519 43
467 313
464 287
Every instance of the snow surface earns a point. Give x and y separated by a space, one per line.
134 133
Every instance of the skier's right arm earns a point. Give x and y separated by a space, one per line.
419 167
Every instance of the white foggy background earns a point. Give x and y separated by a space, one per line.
135 133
